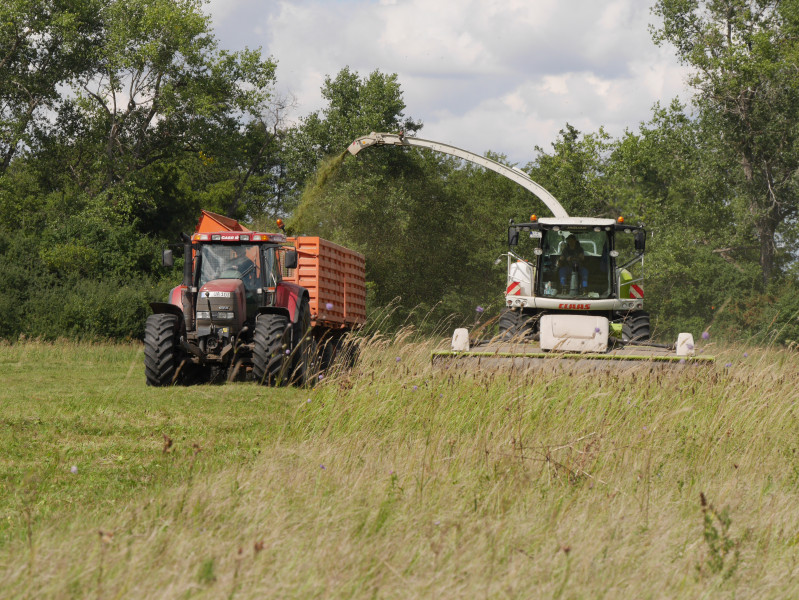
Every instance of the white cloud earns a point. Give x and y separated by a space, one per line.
503 75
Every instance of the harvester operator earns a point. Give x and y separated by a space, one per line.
572 254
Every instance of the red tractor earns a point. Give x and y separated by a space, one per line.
254 305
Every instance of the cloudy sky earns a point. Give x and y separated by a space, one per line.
501 75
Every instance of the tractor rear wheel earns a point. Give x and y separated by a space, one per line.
161 351
304 369
272 347
635 327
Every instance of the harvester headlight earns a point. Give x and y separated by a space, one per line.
614 253
216 237
244 238
223 315
597 229
203 314
538 251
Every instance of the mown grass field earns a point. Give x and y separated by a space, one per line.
394 481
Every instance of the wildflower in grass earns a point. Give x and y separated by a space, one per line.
322 467
682 361
728 365
321 377
746 354
398 359
416 387
479 309
329 306
288 351
705 335
436 523
74 469
596 330
309 400
689 346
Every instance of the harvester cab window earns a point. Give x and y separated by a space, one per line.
576 263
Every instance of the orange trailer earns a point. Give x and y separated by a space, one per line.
335 279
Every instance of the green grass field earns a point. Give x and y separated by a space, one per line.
395 481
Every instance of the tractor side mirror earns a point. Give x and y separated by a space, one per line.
167 259
290 261
640 240
513 236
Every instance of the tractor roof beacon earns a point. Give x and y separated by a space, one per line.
574 284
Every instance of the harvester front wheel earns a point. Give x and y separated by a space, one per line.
161 350
635 327
515 325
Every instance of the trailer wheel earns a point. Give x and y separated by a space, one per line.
161 351
516 325
635 327
271 349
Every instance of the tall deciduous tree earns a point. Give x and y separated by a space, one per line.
744 54
44 44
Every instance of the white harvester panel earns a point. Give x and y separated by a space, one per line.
685 345
522 274
574 333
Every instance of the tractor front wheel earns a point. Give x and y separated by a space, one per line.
272 349
635 327
161 351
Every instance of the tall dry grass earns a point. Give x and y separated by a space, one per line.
393 480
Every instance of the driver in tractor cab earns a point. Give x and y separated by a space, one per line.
572 254
240 266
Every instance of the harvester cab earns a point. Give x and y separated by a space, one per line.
576 266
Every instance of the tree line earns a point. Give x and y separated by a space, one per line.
120 120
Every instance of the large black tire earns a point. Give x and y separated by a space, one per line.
272 340
635 327
162 355
516 325
304 365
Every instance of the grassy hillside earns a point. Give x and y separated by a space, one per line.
394 481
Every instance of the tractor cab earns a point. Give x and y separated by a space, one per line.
236 275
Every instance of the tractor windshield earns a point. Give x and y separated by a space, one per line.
229 261
575 263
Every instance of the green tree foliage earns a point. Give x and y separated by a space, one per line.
44 44
575 172
744 55
667 177
356 106
134 118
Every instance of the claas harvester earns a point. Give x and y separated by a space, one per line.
574 286
254 305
